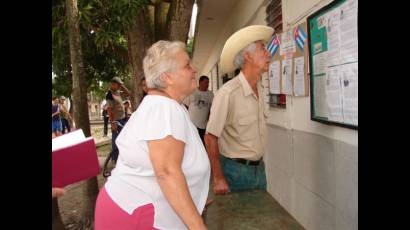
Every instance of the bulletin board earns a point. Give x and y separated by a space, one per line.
288 69
333 55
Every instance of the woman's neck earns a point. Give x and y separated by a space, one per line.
165 93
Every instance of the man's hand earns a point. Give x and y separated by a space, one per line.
221 187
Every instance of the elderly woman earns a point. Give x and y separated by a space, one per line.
161 179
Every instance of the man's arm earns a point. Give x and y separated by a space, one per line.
125 91
220 186
57 112
109 104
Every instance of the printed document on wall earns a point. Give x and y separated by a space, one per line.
299 81
287 45
350 93
320 63
287 76
334 94
333 38
320 100
274 77
348 32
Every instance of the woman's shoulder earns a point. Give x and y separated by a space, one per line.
160 103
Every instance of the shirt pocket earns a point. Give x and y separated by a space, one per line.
246 127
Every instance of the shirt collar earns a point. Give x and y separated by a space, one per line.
247 90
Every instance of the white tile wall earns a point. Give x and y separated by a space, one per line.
315 180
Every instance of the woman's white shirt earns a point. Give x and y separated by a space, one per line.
133 183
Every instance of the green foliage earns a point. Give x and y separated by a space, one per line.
103 27
189 46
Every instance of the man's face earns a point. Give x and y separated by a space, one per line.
261 57
55 101
203 85
115 86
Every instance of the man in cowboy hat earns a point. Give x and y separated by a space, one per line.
116 110
236 129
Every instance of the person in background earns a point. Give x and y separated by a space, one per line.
65 116
162 167
56 126
127 108
116 111
199 103
104 113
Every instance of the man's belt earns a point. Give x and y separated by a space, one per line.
246 162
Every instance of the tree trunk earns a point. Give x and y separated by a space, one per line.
179 18
139 40
57 223
160 19
79 91
79 94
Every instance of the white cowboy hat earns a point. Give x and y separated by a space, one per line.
239 40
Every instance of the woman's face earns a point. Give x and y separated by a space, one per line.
183 78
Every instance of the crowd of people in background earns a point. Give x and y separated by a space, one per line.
60 117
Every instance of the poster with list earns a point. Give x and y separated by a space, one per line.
333 54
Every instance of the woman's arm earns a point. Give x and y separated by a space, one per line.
166 156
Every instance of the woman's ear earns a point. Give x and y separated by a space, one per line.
167 78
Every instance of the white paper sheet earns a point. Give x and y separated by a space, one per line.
320 63
350 93
274 77
287 43
320 99
287 76
333 37
348 32
67 139
334 94
299 77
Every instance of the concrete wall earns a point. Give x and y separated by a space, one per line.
312 168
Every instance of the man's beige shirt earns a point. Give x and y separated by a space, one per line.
237 119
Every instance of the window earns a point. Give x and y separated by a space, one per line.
274 19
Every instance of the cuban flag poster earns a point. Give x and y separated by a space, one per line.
300 37
273 45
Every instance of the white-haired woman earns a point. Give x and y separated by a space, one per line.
161 179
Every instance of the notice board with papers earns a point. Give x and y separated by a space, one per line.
288 71
333 64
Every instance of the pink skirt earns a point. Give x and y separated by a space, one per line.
109 216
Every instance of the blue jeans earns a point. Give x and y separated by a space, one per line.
243 177
114 151
56 125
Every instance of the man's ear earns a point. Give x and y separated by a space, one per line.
247 57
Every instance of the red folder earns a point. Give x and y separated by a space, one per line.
75 162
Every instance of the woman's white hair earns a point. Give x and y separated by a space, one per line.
160 58
239 59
